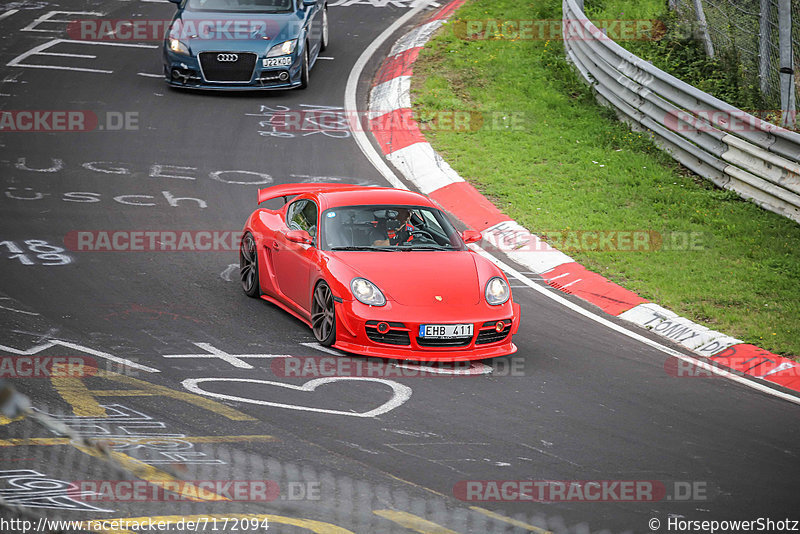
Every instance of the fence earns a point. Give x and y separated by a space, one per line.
764 36
733 149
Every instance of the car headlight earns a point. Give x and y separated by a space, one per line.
178 47
497 291
366 292
283 49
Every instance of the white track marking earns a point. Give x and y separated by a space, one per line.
74 346
149 75
233 359
37 50
400 393
8 13
378 162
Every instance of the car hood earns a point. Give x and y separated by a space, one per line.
416 278
237 32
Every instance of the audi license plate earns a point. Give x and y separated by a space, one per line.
444 331
277 61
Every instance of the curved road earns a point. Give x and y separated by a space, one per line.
578 402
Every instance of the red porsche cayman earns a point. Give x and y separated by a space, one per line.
377 271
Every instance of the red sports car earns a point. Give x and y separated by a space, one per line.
377 271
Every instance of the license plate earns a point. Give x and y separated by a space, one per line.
444 331
277 61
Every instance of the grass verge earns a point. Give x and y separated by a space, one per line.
569 165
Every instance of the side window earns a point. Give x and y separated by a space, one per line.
302 215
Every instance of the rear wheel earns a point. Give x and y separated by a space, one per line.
248 266
323 315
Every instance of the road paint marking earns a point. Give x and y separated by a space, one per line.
46 18
84 401
233 359
80 348
155 476
229 271
32 489
318 527
400 393
324 57
9 298
321 348
8 13
149 75
515 522
413 522
46 442
37 50
62 54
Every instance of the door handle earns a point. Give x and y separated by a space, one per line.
275 245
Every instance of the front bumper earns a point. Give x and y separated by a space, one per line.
357 332
186 71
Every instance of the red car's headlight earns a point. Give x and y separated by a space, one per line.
366 292
497 291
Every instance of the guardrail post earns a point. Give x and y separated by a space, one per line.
701 21
787 65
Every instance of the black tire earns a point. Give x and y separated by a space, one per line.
304 69
248 266
325 38
323 315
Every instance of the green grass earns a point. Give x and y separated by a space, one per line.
744 279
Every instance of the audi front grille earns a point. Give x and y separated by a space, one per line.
228 67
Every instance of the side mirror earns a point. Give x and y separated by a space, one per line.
299 236
471 236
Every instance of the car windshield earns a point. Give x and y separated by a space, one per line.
388 228
244 6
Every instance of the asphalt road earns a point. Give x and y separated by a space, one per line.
578 402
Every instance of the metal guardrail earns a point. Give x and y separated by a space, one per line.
735 150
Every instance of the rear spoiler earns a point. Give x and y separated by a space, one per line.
290 190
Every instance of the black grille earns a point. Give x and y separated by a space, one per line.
392 337
451 342
240 70
492 335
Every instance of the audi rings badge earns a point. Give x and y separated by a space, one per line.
227 58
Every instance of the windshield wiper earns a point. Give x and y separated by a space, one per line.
382 249
427 247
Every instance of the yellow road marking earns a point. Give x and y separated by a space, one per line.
318 527
21 442
156 477
510 521
84 400
413 522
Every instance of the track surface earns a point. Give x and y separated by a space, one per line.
586 403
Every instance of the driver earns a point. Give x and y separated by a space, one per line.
400 232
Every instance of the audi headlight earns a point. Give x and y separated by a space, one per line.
497 291
178 47
283 49
366 292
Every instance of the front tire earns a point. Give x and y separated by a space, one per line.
324 42
304 69
323 315
248 266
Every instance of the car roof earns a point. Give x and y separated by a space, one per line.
371 195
